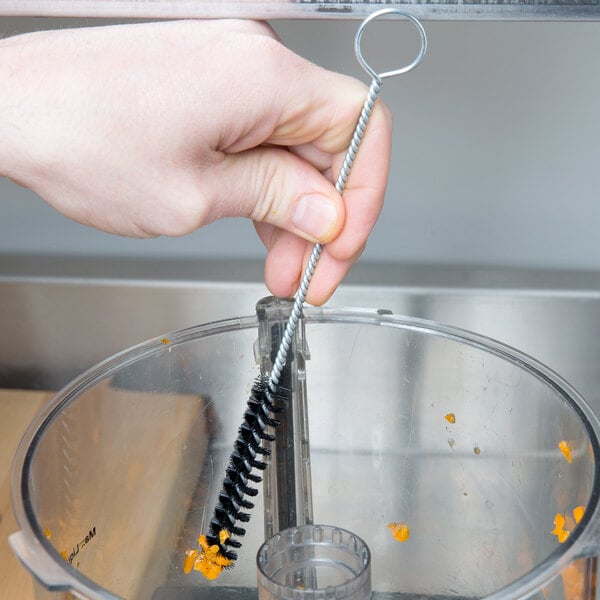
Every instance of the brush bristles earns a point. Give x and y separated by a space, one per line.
243 460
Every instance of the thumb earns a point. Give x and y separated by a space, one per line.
272 185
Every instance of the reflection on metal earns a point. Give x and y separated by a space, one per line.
60 317
294 9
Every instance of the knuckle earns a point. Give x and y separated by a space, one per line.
179 212
267 187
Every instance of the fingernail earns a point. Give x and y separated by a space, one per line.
315 216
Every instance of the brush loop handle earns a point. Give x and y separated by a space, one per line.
401 70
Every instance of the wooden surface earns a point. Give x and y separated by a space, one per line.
17 409
154 481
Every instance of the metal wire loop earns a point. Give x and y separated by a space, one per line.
409 67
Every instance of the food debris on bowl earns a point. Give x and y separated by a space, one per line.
566 450
559 528
400 531
559 523
208 560
578 512
451 418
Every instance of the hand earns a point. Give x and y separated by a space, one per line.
160 128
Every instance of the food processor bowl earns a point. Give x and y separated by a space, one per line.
469 469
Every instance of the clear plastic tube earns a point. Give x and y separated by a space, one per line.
314 562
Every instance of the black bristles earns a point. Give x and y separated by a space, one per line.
229 554
243 465
232 508
221 520
249 455
261 406
239 463
222 517
239 531
251 440
240 482
258 422
235 492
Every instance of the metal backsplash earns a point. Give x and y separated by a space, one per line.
61 316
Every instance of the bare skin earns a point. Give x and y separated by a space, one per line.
161 128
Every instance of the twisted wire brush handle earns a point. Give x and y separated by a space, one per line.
300 295
357 137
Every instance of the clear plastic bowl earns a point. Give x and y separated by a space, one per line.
453 434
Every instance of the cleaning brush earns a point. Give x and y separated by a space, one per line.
217 549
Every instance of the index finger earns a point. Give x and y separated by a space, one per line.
318 123
364 191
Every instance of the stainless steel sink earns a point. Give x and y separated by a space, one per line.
61 316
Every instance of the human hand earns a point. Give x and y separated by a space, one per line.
161 128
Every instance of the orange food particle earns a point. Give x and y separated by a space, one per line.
578 513
566 450
559 522
166 341
400 531
223 536
208 560
63 555
451 418
562 536
48 534
190 559
559 528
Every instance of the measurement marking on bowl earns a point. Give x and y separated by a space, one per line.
79 546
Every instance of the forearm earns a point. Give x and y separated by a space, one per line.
161 128
12 107
7 125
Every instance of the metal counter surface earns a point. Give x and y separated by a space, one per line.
61 316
